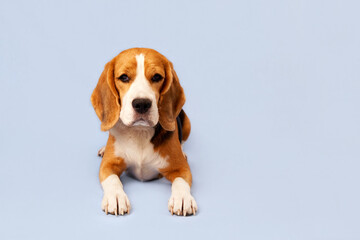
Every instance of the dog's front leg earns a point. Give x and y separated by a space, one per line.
115 200
181 202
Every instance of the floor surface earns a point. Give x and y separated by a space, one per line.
272 93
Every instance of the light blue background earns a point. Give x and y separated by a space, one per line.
273 93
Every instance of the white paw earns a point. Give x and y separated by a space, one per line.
116 202
182 204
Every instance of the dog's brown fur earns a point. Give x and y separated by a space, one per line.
106 100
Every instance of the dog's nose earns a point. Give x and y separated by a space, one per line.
141 105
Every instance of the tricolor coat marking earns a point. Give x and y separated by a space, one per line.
137 100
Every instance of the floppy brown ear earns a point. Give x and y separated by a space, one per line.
172 99
105 98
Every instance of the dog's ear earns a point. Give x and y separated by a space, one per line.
172 99
105 98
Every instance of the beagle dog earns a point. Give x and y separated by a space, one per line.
139 100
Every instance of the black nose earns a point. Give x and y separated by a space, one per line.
141 105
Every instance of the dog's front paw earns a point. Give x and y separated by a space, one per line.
116 203
182 204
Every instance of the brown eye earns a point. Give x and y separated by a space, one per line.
156 78
124 78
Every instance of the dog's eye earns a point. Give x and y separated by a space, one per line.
156 78
124 78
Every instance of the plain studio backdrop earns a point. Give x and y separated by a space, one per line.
273 93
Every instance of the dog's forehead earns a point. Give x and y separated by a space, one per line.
128 60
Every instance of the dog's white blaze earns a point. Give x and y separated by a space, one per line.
140 88
140 67
134 146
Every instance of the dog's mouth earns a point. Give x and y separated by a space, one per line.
141 122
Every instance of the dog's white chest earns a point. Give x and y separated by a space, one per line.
135 148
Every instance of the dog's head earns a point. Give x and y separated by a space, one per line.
140 88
